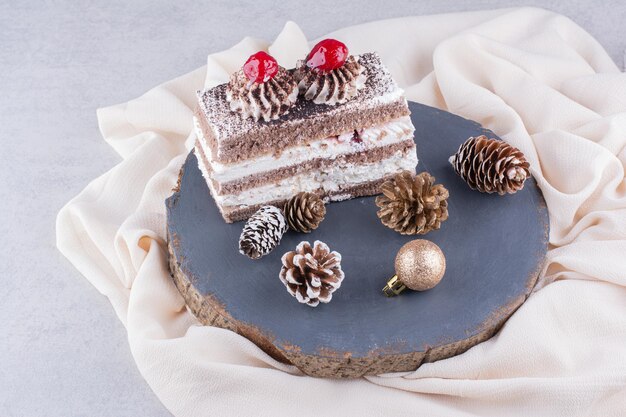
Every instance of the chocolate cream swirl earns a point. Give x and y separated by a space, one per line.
333 87
268 100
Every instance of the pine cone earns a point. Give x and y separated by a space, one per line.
491 165
412 205
262 232
304 212
311 274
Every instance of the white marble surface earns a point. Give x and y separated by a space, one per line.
63 352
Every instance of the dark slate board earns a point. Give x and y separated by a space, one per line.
494 246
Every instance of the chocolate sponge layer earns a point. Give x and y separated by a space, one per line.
235 214
365 157
233 138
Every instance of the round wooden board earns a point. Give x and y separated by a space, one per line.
494 246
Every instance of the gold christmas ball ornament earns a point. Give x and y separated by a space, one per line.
420 265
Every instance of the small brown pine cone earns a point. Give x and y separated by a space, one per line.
304 212
491 165
412 205
311 274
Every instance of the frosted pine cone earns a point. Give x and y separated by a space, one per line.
311 274
262 232
304 212
491 165
412 205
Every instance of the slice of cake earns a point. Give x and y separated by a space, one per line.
337 125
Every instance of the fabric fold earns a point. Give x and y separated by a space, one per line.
533 77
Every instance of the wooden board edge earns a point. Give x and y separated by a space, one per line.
210 312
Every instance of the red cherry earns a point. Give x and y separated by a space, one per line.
327 55
260 67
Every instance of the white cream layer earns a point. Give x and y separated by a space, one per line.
332 179
329 148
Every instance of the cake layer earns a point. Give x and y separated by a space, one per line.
237 213
232 138
274 175
335 180
239 175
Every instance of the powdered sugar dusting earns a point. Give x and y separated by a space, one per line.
226 124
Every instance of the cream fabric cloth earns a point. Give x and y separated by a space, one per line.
533 77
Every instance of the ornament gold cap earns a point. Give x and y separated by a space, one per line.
394 287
